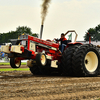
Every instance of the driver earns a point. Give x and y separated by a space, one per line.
63 42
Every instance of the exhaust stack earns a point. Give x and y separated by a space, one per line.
41 31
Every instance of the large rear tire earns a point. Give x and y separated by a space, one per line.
66 61
86 61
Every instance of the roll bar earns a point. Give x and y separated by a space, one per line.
74 32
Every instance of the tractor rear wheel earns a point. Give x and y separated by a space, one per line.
66 61
86 61
15 62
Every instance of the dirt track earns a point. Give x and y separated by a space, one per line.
22 85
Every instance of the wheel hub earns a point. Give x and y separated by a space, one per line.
17 62
86 61
43 59
91 61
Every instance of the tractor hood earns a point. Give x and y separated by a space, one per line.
39 41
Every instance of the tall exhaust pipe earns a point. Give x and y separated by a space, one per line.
41 31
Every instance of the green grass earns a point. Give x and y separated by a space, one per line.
7 63
11 69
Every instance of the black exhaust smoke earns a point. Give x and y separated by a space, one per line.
44 12
41 31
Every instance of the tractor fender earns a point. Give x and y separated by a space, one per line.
75 43
71 44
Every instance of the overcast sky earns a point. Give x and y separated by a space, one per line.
63 15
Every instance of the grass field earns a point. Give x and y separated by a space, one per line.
11 69
7 63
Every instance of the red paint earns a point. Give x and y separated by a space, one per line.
89 38
43 42
51 51
32 52
55 55
75 43
22 49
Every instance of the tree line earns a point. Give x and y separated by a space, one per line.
5 37
94 33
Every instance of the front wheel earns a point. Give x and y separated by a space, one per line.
15 62
38 69
35 70
41 59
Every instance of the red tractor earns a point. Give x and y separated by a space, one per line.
44 57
